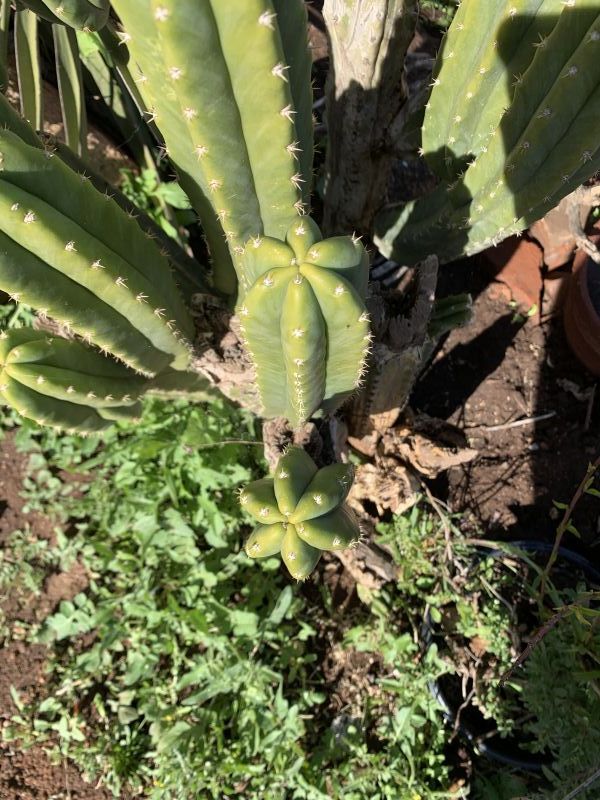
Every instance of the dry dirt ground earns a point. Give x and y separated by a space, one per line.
30 775
504 368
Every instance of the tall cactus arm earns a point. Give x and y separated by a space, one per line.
50 412
28 67
188 271
265 105
461 121
64 383
293 27
4 36
542 146
70 371
27 279
52 216
233 140
70 87
171 116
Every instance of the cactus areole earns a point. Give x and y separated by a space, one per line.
301 512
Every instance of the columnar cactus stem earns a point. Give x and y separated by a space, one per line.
301 512
70 85
223 94
74 253
4 36
523 117
304 320
28 67
65 384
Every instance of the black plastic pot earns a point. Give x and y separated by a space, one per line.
507 750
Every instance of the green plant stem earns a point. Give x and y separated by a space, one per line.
564 523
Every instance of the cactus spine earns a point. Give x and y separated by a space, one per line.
304 320
65 384
72 253
232 108
301 512
510 125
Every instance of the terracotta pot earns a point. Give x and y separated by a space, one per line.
582 312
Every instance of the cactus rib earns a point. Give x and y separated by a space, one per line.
232 140
539 145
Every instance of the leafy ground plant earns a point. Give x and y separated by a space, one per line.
185 671
182 670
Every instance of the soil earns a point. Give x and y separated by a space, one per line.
30 774
502 368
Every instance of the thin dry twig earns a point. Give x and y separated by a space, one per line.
533 642
516 424
585 785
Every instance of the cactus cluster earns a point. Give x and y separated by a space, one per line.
229 89
65 384
304 320
301 512
510 126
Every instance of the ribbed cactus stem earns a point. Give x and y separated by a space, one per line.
304 320
84 15
223 95
65 384
301 512
515 132
75 255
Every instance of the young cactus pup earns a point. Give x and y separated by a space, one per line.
301 512
304 320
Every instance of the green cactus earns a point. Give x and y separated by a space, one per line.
84 15
73 254
65 384
228 86
27 54
301 512
304 320
510 125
